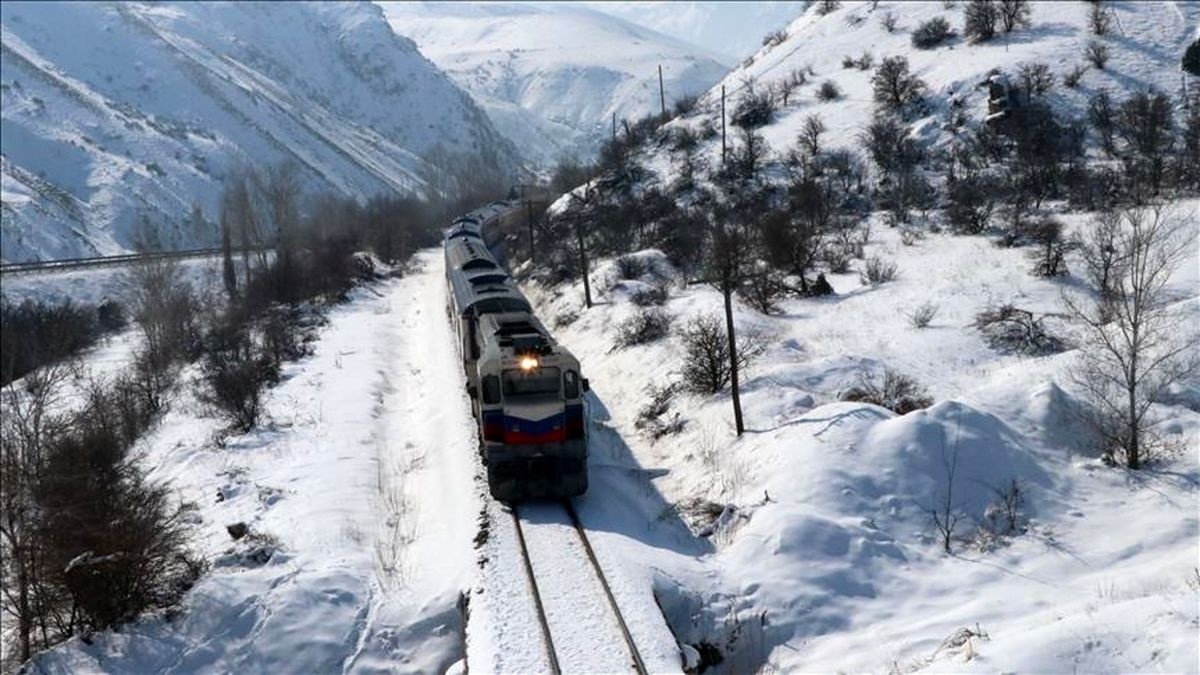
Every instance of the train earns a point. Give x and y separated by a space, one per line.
526 390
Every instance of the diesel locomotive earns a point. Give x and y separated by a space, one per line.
526 390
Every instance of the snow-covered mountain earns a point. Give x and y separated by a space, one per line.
121 117
732 29
552 76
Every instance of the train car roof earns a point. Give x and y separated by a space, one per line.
465 253
486 297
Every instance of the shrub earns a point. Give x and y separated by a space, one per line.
1051 247
837 256
652 418
630 267
684 105
649 296
566 319
1014 13
754 109
646 325
1099 19
1097 53
888 20
894 86
828 91
1035 79
877 271
1072 77
36 333
1191 58
899 393
1008 328
827 6
706 354
110 316
932 33
922 315
774 38
236 371
979 20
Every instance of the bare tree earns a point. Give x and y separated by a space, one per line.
1101 259
726 258
1132 349
1014 13
894 86
582 203
809 139
945 514
26 427
979 20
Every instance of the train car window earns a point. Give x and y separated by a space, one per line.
571 384
491 390
531 382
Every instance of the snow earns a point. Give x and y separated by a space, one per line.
141 112
524 64
827 560
364 476
364 502
733 29
1145 47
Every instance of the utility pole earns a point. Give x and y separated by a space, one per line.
662 95
722 125
614 127
529 216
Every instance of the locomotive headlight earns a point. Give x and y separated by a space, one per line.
529 362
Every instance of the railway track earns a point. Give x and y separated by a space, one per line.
583 629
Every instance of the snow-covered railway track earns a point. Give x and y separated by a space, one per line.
583 629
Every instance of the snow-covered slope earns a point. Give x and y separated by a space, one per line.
1145 44
552 76
733 29
826 559
115 115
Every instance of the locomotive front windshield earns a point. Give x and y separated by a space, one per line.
531 382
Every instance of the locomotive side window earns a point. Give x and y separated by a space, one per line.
532 382
491 390
571 384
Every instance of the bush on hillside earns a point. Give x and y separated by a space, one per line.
38 333
1096 52
896 392
1011 329
646 325
1191 58
877 271
894 86
828 91
932 33
754 109
706 367
979 20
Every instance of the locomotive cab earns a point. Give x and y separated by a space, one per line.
530 398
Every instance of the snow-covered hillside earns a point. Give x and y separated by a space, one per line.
826 559
120 115
552 76
1145 44
732 29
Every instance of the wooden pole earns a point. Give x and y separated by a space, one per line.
614 127
662 94
722 125
529 215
